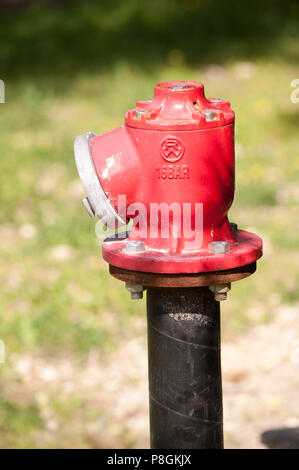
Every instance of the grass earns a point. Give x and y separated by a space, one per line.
77 68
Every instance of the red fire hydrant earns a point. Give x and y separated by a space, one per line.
170 168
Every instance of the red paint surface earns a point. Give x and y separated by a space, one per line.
172 154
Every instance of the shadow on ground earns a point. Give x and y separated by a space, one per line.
284 438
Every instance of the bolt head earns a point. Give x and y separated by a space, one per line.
140 113
209 114
220 291
89 209
219 247
216 100
135 246
136 290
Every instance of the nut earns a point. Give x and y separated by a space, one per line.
136 290
220 291
140 113
179 86
135 246
233 227
219 247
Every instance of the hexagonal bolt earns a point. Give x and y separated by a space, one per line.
140 113
135 246
209 114
233 227
220 291
216 100
179 87
136 295
89 209
219 247
136 290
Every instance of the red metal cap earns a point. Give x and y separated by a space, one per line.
180 106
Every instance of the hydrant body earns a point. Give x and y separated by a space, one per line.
171 169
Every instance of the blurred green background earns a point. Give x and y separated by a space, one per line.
78 66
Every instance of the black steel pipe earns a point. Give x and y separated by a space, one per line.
184 368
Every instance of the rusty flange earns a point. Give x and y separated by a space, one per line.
183 280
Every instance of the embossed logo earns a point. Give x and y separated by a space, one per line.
172 149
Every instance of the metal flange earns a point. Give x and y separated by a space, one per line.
183 280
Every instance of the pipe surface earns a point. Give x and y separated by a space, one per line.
184 368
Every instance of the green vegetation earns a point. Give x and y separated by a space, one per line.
77 68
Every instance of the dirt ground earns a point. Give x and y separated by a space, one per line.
260 383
